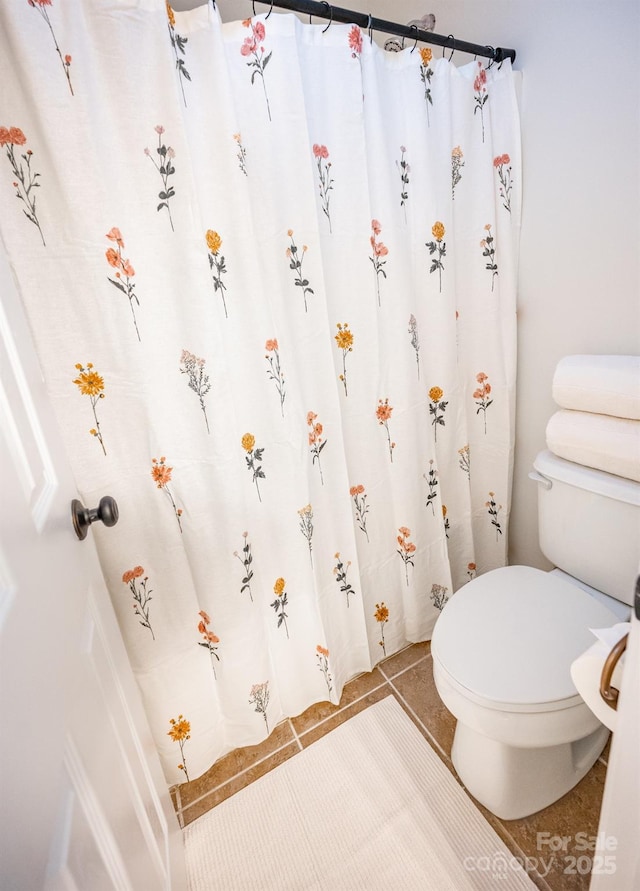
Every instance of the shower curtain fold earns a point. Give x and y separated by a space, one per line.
270 272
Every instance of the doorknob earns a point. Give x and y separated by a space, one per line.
83 517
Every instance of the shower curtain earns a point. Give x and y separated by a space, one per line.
270 272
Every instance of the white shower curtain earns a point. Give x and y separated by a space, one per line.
270 271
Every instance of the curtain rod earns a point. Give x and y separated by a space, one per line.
324 10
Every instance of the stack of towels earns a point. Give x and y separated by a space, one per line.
598 424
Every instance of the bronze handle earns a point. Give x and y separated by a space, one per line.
83 517
609 693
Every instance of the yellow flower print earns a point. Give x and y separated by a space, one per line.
426 55
278 588
253 458
437 408
426 73
437 231
214 242
248 442
344 339
171 16
381 615
280 603
91 384
437 249
180 732
435 394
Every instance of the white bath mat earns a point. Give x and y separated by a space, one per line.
369 806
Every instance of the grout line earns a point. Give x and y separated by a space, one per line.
343 708
295 735
389 677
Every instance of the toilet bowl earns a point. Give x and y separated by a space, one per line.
502 650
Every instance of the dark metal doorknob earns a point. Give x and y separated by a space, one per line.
83 517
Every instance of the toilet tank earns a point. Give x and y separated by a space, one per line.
589 524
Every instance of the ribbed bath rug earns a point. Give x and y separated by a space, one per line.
367 807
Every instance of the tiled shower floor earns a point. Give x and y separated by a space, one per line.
409 677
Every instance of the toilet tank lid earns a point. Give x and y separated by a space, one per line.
597 481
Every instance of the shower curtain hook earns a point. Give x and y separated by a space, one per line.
330 11
270 11
370 29
254 7
491 59
414 28
449 37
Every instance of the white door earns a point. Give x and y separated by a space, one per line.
83 802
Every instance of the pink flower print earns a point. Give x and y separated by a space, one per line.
65 60
316 442
379 250
406 549
481 395
251 47
480 93
25 179
124 272
325 181
355 41
502 164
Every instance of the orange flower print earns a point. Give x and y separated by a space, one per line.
426 73
381 615
340 571
489 252
214 243
178 44
252 46
141 596
161 475
445 520
295 265
494 509
209 639
471 570
322 655
439 248
439 596
355 41
406 549
25 179
193 367
280 603
91 384
180 732
464 461
383 414
379 250
325 181
259 696
502 164
275 371
344 339
480 93
481 395
316 442
359 497
253 457
123 277
437 409
40 6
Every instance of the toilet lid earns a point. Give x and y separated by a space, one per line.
510 636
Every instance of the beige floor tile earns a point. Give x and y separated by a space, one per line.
417 688
360 686
211 799
314 733
232 764
404 659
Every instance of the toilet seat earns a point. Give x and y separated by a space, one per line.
507 639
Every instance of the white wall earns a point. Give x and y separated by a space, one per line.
579 286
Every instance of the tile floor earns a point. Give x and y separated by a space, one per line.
408 676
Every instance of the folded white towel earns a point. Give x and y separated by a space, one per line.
606 385
609 444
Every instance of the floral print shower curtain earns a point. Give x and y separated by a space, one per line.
270 271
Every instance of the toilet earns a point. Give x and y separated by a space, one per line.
503 645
